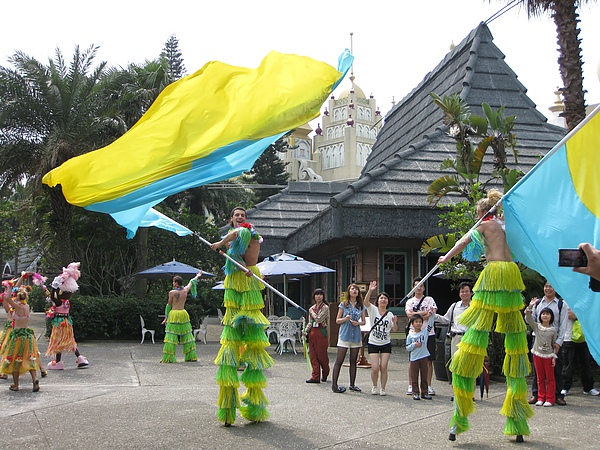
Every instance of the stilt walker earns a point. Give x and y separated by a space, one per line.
497 291
243 340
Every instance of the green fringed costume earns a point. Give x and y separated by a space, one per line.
243 341
497 291
178 330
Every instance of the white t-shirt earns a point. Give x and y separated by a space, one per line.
426 304
380 335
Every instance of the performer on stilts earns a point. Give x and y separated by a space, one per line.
62 338
497 291
243 340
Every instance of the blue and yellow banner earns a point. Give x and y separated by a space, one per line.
557 205
206 127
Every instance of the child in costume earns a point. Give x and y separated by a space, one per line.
497 291
243 340
178 328
20 352
11 288
62 338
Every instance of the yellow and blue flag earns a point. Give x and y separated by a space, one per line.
206 127
557 205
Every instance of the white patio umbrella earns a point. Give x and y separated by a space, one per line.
284 264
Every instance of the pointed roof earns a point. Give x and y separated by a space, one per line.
409 150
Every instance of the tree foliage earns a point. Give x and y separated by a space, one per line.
269 169
565 16
173 57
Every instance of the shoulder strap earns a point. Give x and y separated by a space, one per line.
452 313
378 321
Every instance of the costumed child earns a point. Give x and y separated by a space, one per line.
62 338
243 340
20 352
11 288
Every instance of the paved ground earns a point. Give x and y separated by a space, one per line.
127 399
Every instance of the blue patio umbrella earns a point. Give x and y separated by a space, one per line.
170 269
284 264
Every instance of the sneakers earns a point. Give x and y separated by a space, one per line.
592 392
416 397
546 404
539 403
430 390
409 390
354 388
561 402
374 390
382 392
426 397
565 392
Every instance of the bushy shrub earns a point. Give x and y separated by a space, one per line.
101 318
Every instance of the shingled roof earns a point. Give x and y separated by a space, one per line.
390 198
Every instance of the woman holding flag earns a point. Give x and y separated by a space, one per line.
497 290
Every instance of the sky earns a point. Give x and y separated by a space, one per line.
395 44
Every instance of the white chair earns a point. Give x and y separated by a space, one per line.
287 333
202 329
273 327
145 330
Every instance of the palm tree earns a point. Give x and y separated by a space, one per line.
49 114
565 16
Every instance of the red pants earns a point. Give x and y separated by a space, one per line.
319 359
545 379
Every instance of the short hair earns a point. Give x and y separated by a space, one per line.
463 284
321 292
415 317
177 279
547 310
385 294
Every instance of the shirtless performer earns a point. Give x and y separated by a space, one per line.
179 329
497 291
243 341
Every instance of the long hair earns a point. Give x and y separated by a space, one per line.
359 299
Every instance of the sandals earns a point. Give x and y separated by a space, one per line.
12 387
44 373
36 385
3 377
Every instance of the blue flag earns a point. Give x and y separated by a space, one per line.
557 205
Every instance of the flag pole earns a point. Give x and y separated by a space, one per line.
245 269
432 271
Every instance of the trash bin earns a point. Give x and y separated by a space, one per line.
439 364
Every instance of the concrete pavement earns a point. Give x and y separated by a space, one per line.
127 399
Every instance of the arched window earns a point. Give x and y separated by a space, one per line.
360 114
330 133
336 114
338 131
367 113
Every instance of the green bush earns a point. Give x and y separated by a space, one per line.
102 318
